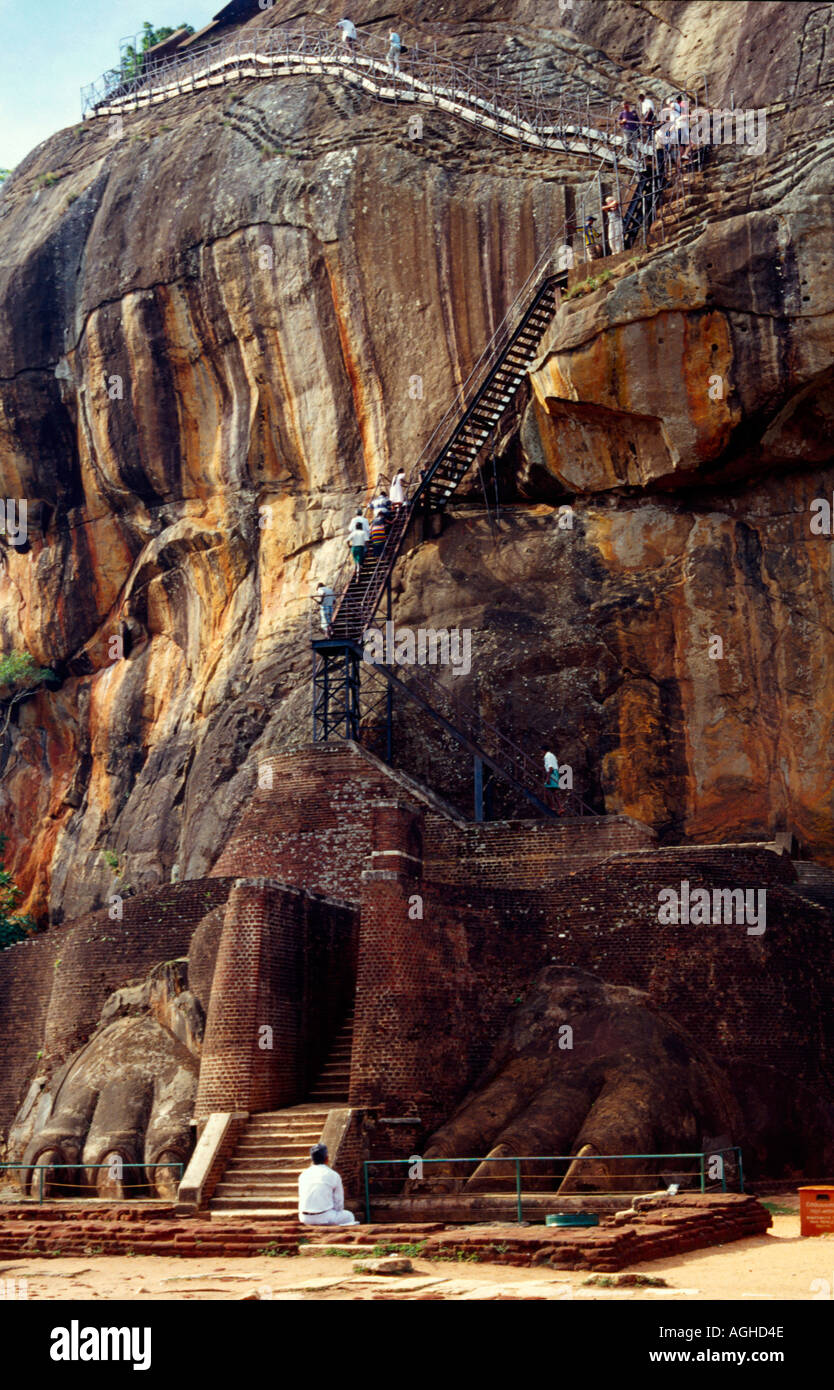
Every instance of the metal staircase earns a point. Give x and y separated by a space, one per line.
583 122
463 434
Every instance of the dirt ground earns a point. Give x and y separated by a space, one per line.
779 1265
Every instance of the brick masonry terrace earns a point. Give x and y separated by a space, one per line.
670 1226
313 824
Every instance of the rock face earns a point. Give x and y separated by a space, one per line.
211 328
120 1107
590 1069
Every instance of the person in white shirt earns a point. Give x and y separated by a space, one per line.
565 257
615 226
349 34
380 505
321 1197
327 601
359 533
682 119
551 771
395 44
396 492
646 116
663 141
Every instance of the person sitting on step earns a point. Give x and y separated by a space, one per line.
321 1197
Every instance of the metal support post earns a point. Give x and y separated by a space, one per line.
389 694
479 790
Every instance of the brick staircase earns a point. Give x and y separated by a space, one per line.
816 882
333 1084
262 1175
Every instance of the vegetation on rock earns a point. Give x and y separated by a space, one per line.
19 678
14 926
133 59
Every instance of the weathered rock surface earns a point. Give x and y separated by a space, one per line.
587 1068
222 312
125 1099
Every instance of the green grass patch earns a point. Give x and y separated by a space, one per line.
626 1281
379 1251
594 282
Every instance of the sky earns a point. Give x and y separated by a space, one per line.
50 49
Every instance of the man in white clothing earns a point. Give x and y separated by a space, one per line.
396 492
551 786
321 1197
349 34
395 44
359 533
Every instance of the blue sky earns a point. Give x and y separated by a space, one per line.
50 49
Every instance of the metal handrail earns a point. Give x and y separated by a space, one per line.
494 741
518 1159
424 79
44 1168
361 606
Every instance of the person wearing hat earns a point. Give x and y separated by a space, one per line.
614 227
321 1197
593 248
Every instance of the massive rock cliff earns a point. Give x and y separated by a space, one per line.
210 325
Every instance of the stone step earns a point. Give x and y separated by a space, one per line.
280 1146
272 1148
294 1141
289 1127
276 1187
299 1127
309 1115
245 1205
258 1168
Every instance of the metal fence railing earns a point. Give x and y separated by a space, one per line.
524 1182
78 1187
490 98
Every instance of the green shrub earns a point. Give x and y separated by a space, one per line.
14 926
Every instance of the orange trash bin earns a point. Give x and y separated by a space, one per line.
816 1211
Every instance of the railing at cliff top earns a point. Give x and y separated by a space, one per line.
500 104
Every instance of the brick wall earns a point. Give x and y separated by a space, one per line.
285 963
52 987
313 828
528 854
435 993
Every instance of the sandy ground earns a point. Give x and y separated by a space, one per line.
779 1265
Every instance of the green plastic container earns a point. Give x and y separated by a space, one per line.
572 1218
